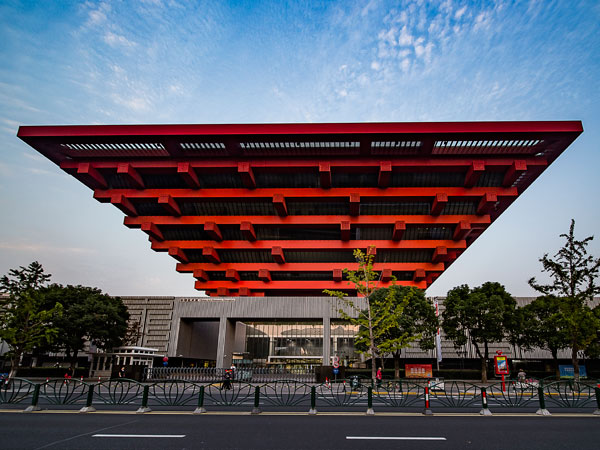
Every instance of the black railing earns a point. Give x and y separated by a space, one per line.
392 395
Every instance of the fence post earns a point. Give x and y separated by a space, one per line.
200 409
34 400
370 411
427 411
313 401
256 409
542 411
597 390
144 408
90 398
484 404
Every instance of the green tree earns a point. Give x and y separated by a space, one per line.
573 273
482 316
366 282
26 322
416 321
89 315
541 326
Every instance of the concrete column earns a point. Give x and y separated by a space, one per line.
225 342
326 341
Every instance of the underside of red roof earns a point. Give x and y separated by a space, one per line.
276 209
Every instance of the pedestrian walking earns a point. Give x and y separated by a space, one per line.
379 377
227 380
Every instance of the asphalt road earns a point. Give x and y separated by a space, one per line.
67 430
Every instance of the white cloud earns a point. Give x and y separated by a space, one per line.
405 39
41 248
375 65
115 40
459 13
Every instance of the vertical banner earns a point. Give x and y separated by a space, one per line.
438 337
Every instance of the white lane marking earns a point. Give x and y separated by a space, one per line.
398 438
139 435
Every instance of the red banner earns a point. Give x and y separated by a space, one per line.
418 371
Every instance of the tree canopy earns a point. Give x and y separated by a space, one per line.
573 276
416 322
481 316
88 315
381 313
26 321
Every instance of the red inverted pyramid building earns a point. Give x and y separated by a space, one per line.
277 209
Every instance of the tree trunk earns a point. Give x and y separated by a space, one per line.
483 365
396 365
486 356
14 366
555 363
575 361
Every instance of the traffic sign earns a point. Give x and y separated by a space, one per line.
336 362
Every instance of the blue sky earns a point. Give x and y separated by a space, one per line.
256 62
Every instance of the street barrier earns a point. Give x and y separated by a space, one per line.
394 395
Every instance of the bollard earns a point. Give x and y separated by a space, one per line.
200 409
144 408
90 398
370 411
484 404
597 412
34 400
313 401
256 409
427 411
542 411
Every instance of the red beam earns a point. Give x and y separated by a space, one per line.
135 222
277 254
264 275
89 176
440 254
385 172
247 175
330 245
213 231
411 193
290 285
308 267
169 204
461 231
132 175
201 275
325 175
211 255
337 275
354 204
248 231
486 204
345 228
188 174
178 254
514 172
232 275
419 275
439 202
279 205
121 202
153 231
399 229
474 173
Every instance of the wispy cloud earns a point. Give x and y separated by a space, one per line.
30 247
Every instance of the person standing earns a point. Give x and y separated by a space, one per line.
379 377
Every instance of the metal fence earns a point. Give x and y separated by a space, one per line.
352 394
248 374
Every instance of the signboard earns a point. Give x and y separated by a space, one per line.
418 371
501 365
336 362
568 372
